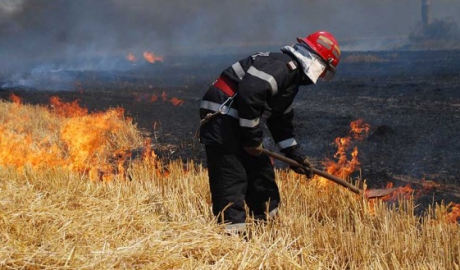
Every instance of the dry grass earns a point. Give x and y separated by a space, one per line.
56 218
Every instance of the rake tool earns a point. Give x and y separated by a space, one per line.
368 193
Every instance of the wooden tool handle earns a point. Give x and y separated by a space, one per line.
315 171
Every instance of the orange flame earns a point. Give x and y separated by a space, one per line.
153 98
131 57
16 99
96 144
71 109
359 129
150 157
80 134
152 58
344 167
405 192
148 154
176 101
454 214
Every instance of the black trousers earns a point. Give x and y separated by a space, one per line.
236 178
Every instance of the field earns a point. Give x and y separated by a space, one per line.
101 170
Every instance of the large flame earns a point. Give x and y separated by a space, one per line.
67 136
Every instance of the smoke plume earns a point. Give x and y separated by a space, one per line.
38 31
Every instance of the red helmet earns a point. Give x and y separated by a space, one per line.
326 46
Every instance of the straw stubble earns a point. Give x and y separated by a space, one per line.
160 218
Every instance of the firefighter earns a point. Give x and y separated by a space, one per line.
260 87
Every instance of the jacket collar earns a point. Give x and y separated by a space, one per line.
312 65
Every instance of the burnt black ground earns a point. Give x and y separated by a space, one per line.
411 100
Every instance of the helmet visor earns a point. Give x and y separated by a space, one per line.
329 73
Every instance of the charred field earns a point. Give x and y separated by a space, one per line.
410 99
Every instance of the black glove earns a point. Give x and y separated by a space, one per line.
254 150
305 167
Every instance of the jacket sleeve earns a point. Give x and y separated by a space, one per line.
251 98
282 131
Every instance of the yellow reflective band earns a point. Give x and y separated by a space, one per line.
326 40
337 48
336 54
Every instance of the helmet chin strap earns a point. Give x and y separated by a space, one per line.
312 65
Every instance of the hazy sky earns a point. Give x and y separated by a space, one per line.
31 29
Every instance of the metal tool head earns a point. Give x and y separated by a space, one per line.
377 193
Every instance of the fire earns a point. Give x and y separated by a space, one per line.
71 109
405 192
359 129
344 166
141 97
149 157
454 213
131 57
14 98
153 98
176 101
152 58
80 134
95 144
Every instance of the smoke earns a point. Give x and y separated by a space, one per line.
10 6
60 31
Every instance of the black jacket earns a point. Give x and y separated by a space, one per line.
266 84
